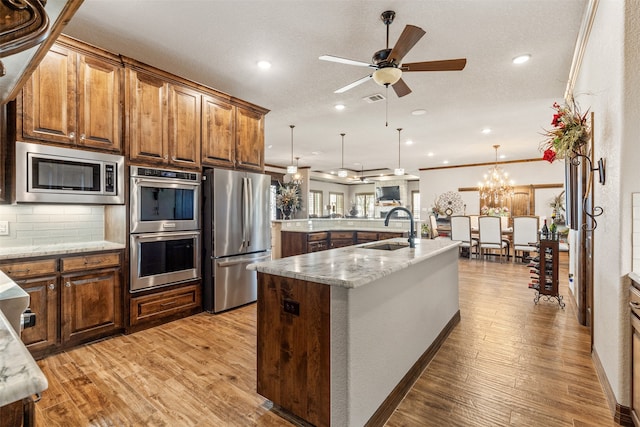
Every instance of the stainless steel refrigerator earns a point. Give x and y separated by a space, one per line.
236 232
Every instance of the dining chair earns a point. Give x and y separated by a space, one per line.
525 235
434 227
474 222
461 232
491 236
504 223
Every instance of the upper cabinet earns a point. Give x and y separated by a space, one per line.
73 98
249 139
164 120
232 134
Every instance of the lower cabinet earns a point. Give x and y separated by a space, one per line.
301 242
634 302
159 306
75 299
340 239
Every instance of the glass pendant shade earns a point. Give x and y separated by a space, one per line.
291 169
387 76
398 171
342 173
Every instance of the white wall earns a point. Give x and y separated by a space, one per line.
437 181
609 85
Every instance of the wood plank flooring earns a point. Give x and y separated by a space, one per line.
508 363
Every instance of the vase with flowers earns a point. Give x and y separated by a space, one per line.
570 133
288 199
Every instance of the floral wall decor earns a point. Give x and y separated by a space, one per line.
570 133
448 203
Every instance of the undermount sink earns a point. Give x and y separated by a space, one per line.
390 246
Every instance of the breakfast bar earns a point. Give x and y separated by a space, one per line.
344 333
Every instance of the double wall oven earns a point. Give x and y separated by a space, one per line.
165 227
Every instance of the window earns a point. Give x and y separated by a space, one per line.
365 203
337 200
415 204
315 203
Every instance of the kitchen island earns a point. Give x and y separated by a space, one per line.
344 333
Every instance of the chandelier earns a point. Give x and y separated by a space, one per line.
496 186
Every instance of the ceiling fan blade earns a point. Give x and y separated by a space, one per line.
445 65
352 85
401 88
331 58
409 37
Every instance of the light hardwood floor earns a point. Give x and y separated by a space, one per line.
508 362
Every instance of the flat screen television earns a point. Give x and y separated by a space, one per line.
391 192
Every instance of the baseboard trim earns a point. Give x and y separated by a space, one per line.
621 414
385 410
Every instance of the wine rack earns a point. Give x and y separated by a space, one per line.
544 270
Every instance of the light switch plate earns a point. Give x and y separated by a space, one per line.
4 228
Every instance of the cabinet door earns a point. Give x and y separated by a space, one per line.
43 301
147 117
635 368
91 305
184 126
249 139
99 104
218 139
48 110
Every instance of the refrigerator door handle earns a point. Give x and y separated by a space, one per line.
242 261
250 212
243 214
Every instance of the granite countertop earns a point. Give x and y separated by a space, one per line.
58 249
20 375
353 266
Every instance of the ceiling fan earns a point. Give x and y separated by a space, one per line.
388 70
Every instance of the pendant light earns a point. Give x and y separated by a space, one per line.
496 187
399 171
342 173
292 168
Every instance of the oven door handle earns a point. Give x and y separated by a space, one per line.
242 261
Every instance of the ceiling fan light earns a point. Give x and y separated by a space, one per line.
387 75
398 171
292 169
342 173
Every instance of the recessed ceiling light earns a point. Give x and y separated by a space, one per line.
315 153
264 65
430 154
333 172
502 156
270 146
418 112
445 162
356 163
521 59
409 142
486 131
339 107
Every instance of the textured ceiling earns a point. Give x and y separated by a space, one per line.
218 43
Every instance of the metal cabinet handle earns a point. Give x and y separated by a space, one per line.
166 157
634 304
68 284
19 271
51 286
72 135
82 137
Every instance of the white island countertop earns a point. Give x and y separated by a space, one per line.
353 266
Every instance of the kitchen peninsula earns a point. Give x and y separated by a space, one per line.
343 333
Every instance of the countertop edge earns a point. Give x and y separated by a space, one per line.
272 267
635 277
58 249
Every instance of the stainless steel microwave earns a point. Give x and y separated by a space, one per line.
48 174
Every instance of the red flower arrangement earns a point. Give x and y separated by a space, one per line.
570 132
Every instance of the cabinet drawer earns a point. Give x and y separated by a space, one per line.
19 270
390 235
314 237
93 262
317 246
368 236
163 304
341 235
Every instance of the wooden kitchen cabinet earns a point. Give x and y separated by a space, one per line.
634 303
74 97
249 139
75 298
43 302
340 239
164 121
159 306
218 132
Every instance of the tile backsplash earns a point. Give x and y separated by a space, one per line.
39 224
636 231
